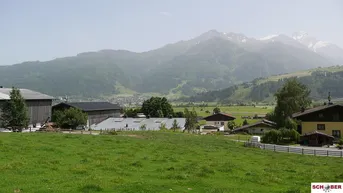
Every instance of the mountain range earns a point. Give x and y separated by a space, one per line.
214 60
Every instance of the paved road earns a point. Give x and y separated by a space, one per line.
331 148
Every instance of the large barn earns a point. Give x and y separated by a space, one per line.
39 105
96 111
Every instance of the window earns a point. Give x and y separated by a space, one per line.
336 133
261 130
222 123
320 115
320 126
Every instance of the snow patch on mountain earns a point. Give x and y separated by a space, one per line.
320 44
268 37
299 35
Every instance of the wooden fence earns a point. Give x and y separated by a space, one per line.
296 150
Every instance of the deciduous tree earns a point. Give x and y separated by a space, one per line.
191 120
216 110
69 118
291 98
157 107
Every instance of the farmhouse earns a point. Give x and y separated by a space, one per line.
136 124
96 111
219 120
38 104
256 128
327 119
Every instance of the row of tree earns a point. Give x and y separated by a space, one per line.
154 107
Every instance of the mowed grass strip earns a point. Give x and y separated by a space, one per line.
145 162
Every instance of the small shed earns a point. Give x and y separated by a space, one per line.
316 138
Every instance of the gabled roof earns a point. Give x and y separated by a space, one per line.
315 109
92 106
26 93
220 113
318 133
264 121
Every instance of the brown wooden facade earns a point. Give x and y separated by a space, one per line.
38 110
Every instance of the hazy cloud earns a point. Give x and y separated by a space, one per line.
165 13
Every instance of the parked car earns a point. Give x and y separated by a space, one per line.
81 127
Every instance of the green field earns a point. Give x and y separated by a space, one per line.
146 162
236 111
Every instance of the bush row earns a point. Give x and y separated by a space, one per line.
281 136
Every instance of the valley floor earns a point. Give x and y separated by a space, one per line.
145 162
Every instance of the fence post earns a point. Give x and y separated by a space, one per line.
81 131
69 130
341 153
288 149
327 153
314 151
302 151
264 146
274 147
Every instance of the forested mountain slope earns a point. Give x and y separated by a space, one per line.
319 80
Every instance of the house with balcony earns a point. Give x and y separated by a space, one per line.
326 119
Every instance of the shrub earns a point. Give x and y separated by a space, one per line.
294 136
245 122
163 127
273 136
281 136
110 132
340 142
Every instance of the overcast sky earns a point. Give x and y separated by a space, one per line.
47 29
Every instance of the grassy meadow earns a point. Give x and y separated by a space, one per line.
146 162
236 111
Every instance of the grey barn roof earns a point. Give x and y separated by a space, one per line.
93 106
136 123
26 93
